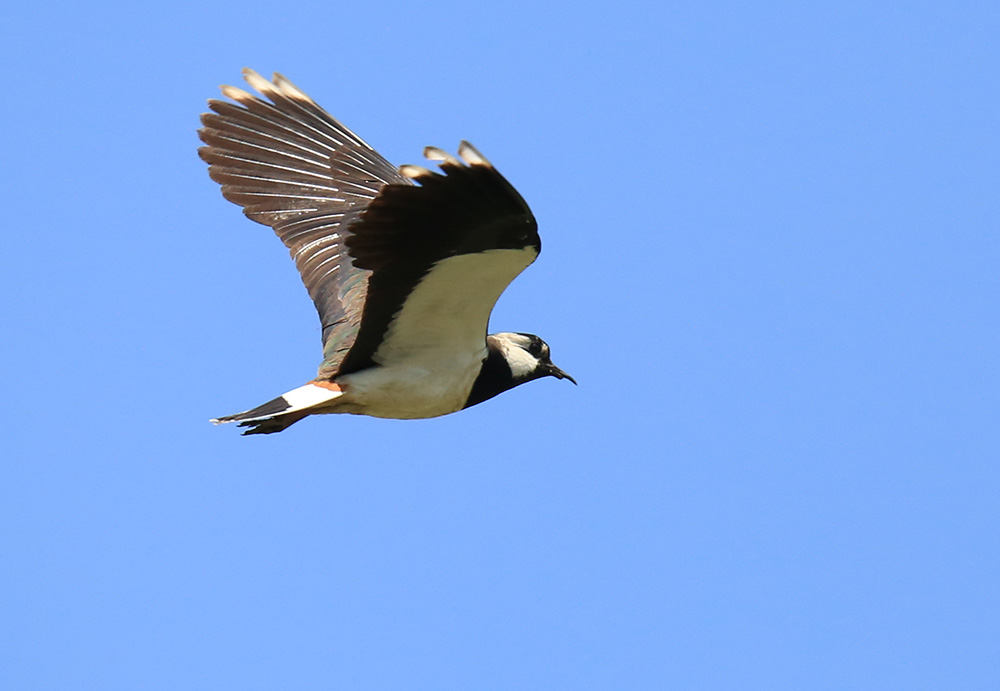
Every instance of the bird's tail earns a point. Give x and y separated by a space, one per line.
285 410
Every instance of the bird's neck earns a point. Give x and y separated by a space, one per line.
494 378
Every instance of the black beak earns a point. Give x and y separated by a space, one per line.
559 374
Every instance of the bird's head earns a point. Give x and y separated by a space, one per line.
528 357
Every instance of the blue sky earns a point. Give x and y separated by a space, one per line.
770 259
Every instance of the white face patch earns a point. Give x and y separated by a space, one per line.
521 362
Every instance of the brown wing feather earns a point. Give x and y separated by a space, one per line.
294 167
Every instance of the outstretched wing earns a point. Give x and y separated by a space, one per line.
398 271
440 253
294 167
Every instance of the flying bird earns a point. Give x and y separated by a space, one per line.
403 264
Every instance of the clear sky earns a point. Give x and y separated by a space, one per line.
770 258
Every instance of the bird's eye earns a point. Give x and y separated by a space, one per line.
535 348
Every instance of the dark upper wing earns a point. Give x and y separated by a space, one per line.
440 254
294 167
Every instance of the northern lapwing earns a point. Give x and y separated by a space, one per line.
404 265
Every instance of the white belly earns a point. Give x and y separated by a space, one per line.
409 391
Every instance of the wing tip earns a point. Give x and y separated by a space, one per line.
251 75
471 155
286 87
433 153
415 172
235 93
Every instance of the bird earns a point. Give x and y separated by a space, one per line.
404 265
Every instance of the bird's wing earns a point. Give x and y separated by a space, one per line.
396 270
440 253
294 167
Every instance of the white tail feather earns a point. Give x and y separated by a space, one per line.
296 400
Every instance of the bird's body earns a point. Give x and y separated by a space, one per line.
404 276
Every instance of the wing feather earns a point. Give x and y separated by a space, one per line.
294 167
